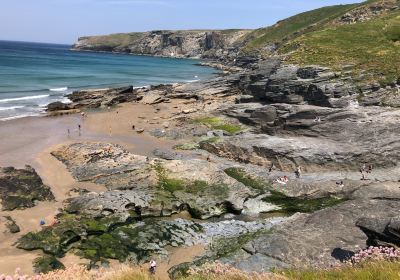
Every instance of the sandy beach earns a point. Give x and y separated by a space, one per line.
29 141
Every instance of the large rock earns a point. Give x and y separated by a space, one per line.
22 188
325 237
153 187
313 136
381 231
95 98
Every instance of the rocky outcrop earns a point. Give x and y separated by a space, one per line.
136 242
191 43
95 98
10 224
323 238
383 231
274 82
22 188
312 136
150 187
367 12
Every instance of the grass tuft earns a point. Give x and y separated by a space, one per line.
218 124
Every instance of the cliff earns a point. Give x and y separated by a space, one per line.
191 43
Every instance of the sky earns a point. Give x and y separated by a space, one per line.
63 21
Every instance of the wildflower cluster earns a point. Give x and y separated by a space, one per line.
80 272
218 270
376 254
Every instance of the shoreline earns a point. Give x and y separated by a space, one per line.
30 140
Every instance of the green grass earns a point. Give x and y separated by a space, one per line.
216 123
292 205
372 46
193 187
368 271
115 40
293 26
241 176
166 183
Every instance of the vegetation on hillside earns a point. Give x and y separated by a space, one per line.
293 27
373 47
115 40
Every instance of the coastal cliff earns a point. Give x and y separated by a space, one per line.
305 131
191 43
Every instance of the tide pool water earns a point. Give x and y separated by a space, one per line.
34 74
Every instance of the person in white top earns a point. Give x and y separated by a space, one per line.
153 266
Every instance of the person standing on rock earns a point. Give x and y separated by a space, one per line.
362 174
364 167
298 172
271 167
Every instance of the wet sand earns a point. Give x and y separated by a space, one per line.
30 141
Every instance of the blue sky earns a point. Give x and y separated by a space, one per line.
62 21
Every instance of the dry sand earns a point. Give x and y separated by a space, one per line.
30 141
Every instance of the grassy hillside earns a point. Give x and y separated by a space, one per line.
371 43
293 26
115 40
372 46
365 35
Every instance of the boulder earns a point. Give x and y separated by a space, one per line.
22 188
58 106
383 231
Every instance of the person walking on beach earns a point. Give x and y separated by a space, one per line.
79 129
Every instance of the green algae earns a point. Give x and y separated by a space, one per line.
46 264
288 205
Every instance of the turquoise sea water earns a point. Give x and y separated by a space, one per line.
35 74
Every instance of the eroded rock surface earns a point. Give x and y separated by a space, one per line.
22 188
152 187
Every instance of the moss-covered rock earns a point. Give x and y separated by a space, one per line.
286 203
12 225
45 240
108 238
21 188
46 264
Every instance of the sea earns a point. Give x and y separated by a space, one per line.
33 75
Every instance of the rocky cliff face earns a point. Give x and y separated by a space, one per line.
192 43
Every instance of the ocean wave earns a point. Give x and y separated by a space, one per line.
59 89
23 98
11 108
17 117
65 100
